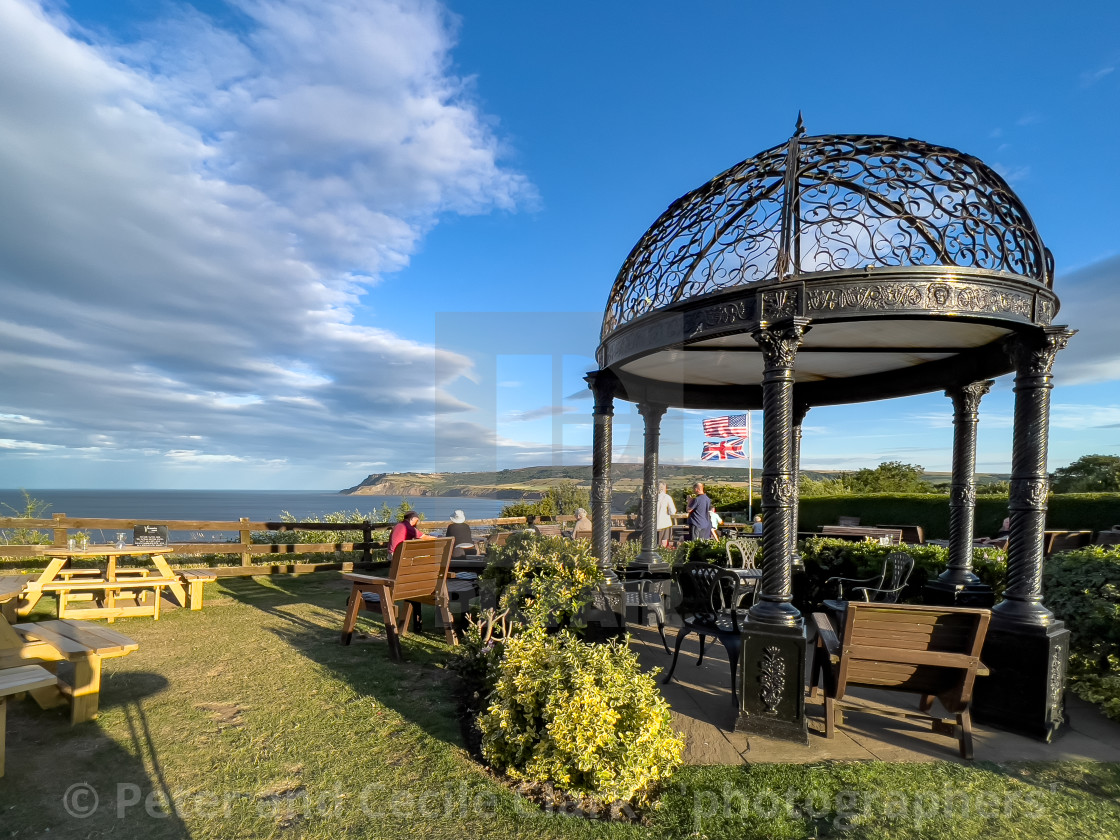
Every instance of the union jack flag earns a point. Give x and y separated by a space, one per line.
736 425
721 450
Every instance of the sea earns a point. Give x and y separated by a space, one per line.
231 505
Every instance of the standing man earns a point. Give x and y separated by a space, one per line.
665 511
699 514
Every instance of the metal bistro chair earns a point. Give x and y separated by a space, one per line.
885 588
706 593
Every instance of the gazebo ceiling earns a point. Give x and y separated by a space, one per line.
913 264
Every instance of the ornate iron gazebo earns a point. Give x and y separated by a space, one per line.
838 269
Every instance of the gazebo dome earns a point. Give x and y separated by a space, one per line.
928 242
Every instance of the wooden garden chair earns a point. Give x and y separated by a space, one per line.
928 651
418 575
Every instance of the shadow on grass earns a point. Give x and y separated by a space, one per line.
307 613
92 786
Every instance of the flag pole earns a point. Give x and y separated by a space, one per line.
750 474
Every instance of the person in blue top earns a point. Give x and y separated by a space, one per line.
699 514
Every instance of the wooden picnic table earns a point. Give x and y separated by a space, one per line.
104 586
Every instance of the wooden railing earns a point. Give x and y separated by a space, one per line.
60 526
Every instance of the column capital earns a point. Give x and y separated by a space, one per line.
651 412
604 385
779 341
1034 354
967 397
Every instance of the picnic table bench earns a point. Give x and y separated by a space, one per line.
81 643
929 651
144 586
11 589
195 579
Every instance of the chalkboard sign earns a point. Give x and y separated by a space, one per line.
147 536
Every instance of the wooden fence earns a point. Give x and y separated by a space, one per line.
60 526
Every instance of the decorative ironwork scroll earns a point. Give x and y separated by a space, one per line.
830 203
772 670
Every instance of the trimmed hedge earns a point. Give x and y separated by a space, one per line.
1067 512
825 558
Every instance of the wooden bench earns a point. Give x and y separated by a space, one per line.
1056 541
81 643
929 651
195 579
144 589
17 680
860 532
549 529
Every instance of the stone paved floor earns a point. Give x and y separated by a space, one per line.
700 698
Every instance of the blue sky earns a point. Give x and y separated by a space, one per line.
287 243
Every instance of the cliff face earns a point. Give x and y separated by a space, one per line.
421 484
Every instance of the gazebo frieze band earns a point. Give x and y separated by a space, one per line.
838 269
926 292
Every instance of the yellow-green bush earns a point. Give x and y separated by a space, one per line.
580 717
543 580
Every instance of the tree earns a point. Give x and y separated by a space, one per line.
1089 474
890 477
558 500
825 486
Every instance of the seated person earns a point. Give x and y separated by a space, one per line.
460 531
756 526
406 530
582 529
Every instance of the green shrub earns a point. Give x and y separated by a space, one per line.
1082 587
559 500
477 656
32 509
580 717
544 581
705 551
825 558
341 517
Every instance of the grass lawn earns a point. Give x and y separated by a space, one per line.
253 721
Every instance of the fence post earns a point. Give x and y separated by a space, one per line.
367 538
246 541
60 532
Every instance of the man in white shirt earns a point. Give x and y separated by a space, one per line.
665 511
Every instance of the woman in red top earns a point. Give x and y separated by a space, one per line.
406 530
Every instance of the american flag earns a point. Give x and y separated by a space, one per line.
721 450
725 427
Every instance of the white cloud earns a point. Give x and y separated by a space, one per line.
1090 299
1091 77
192 220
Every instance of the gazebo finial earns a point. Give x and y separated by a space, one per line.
799 130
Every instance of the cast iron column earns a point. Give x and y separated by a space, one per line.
772 657
957 585
1027 649
603 386
652 414
779 350
799 412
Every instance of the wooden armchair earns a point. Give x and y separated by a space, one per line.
418 575
929 651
